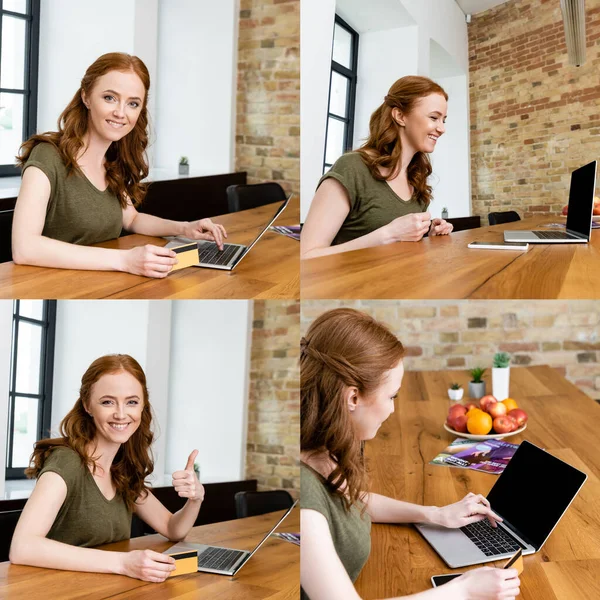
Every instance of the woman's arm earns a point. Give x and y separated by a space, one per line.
31 547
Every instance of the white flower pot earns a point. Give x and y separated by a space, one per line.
500 383
456 394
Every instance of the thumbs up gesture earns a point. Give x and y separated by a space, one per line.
186 483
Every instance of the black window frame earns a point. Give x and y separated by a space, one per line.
30 91
48 324
352 76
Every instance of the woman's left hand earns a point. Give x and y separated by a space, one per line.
440 227
186 483
472 508
205 229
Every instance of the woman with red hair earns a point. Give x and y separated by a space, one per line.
81 184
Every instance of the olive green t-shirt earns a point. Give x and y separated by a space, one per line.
373 203
350 532
86 517
78 212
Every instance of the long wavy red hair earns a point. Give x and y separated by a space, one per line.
125 162
133 462
342 348
383 148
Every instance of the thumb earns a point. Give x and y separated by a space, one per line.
190 461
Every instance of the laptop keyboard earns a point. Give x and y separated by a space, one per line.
210 253
221 559
552 235
491 541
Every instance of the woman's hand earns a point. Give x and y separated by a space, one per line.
440 227
488 583
409 228
205 229
148 260
147 565
186 483
472 508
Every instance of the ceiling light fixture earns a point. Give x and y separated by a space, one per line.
573 12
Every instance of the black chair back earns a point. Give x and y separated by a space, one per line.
6 220
243 197
250 504
8 522
464 223
509 216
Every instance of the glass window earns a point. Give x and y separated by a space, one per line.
18 6
342 46
11 126
335 140
12 67
338 96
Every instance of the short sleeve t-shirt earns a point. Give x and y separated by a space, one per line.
350 531
373 203
86 518
77 212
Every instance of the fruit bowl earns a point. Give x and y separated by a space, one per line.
489 436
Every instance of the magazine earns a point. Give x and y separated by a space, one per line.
292 231
294 538
489 456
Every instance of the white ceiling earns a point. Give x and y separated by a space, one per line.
376 15
471 7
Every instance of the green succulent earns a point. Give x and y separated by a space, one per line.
183 160
455 386
501 360
477 374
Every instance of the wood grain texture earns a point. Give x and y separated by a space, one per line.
274 572
561 419
443 267
271 270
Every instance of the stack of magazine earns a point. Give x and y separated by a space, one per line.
489 456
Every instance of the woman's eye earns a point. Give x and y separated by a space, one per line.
106 402
134 104
134 402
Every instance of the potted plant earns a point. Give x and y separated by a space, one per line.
501 376
477 385
197 470
184 166
455 391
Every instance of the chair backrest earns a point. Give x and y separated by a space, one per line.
250 504
243 197
464 223
8 522
509 216
6 220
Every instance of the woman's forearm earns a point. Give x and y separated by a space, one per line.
375 238
150 225
388 510
183 520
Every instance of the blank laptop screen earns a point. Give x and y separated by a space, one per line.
581 199
534 491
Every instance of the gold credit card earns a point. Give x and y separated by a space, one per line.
187 256
185 562
515 561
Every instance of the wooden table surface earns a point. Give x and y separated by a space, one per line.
273 572
271 269
443 267
562 420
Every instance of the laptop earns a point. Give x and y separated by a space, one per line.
579 217
208 254
224 561
531 495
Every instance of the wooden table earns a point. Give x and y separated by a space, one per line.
274 572
271 270
561 419
443 267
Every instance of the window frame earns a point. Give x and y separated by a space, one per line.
30 91
48 324
352 76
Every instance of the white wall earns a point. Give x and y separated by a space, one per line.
5 348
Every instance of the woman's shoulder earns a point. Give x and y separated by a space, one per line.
63 458
45 153
351 160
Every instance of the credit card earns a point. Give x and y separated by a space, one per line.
515 561
185 562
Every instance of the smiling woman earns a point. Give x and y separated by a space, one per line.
82 184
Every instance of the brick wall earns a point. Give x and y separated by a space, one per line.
273 450
268 96
534 117
440 335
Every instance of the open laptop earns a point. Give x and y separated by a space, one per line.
224 561
531 495
209 255
579 217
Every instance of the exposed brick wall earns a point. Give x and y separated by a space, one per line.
268 96
443 334
534 117
273 450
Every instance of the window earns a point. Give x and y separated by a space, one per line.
342 92
19 43
30 388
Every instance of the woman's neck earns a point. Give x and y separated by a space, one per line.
94 150
104 453
319 461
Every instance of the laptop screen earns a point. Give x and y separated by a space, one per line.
581 199
534 491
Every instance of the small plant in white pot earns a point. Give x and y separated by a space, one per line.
455 392
184 166
501 376
477 385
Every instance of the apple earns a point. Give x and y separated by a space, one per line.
470 405
456 410
497 409
486 401
596 205
459 423
519 415
565 210
503 424
514 422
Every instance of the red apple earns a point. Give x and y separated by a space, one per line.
459 423
519 415
470 405
565 210
486 401
456 410
497 409
503 424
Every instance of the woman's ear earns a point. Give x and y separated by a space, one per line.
398 116
351 398
84 100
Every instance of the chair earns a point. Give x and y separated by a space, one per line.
8 522
243 197
498 218
464 223
6 220
250 504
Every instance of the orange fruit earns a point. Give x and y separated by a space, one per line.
473 411
510 404
479 423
